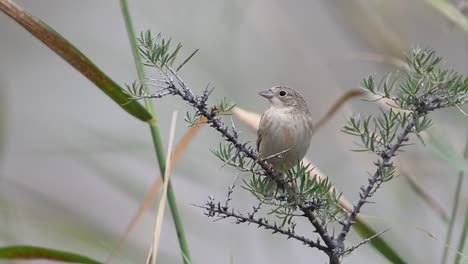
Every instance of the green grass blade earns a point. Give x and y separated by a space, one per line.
437 143
426 197
74 57
451 223
463 236
365 231
3 115
456 201
36 253
157 143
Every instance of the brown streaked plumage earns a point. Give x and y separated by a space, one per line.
285 126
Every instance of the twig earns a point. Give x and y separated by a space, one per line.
369 190
276 154
216 209
365 241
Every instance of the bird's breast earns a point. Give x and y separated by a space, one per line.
285 130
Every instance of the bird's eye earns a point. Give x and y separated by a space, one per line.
283 93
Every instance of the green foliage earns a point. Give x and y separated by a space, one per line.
225 106
425 86
191 119
231 156
308 191
157 51
376 133
135 90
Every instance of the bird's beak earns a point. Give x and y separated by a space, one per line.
266 93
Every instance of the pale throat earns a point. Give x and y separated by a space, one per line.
283 112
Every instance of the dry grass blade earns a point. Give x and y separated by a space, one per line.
375 28
336 106
162 201
422 230
451 12
145 204
179 149
441 241
436 207
379 58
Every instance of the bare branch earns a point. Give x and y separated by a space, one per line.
215 209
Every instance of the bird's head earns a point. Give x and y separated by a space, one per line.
284 97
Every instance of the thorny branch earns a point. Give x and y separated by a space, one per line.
367 192
223 211
425 89
214 120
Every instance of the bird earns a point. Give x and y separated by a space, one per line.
285 129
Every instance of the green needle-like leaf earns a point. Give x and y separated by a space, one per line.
186 60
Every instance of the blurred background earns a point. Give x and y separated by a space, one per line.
74 167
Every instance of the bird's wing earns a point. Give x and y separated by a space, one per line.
259 133
311 125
